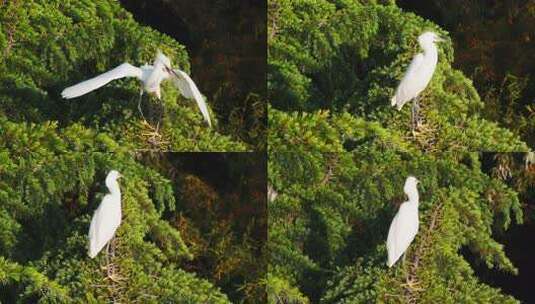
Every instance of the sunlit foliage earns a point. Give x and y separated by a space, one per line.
182 238
347 57
329 224
49 45
493 40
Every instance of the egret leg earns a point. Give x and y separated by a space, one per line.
139 104
111 268
412 117
414 114
161 113
108 258
110 252
417 119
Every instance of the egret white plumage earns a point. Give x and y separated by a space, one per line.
107 217
418 75
404 226
150 76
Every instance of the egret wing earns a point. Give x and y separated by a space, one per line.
403 229
391 242
409 87
104 223
84 87
189 90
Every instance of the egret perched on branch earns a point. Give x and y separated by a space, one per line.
404 227
107 217
151 76
418 75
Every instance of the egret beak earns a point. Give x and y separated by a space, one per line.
171 71
439 39
119 176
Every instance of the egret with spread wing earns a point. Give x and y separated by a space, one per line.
418 75
404 226
150 76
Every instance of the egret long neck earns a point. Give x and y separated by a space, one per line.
413 196
114 188
431 52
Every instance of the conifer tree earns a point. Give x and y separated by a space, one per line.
329 223
493 39
178 240
50 182
333 66
49 45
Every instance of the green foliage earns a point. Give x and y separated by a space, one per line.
329 223
179 236
49 45
326 132
280 291
55 154
50 184
320 58
35 284
492 40
226 42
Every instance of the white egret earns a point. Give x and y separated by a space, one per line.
404 226
150 76
418 75
107 217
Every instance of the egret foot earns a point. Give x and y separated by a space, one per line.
144 122
114 278
412 284
113 274
152 135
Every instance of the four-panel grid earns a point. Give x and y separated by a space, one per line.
279 151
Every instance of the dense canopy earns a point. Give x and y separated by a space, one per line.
49 45
180 233
329 223
333 66
493 40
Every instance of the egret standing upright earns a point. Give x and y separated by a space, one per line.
107 217
150 76
418 76
404 226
